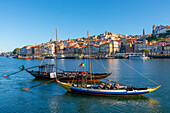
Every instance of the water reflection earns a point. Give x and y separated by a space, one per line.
84 103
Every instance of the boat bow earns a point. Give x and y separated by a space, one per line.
153 89
65 85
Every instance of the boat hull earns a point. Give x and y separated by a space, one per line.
137 57
62 77
107 92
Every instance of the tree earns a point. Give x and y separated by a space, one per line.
145 50
15 51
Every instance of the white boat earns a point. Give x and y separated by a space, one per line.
138 56
61 56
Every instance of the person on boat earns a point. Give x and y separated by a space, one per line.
116 86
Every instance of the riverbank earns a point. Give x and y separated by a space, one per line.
86 57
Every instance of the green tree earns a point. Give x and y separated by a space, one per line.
145 50
15 51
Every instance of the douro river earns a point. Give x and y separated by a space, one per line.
53 98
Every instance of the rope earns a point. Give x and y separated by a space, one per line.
93 72
78 65
139 73
41 62
63 65
102 65
76 70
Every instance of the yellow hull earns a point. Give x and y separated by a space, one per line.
153 89
65 85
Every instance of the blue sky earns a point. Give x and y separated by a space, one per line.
29 22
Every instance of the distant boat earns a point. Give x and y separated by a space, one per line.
49 57
106 57
61 56
70 57
38 57
14 56
27 57
138 56
9 56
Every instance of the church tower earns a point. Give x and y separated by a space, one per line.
143 31
105 33
154 28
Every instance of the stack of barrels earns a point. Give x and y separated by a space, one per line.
102 85
109 86
116 86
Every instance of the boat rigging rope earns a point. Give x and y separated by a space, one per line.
64 66
78 65
93 72
76 70
131 68
139 72
41 62
102 65
108 71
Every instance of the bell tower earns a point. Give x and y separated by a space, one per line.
154 28
143 31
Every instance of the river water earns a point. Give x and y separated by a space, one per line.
53 98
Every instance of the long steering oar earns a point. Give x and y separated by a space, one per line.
40 84
13 73
37 85
20 71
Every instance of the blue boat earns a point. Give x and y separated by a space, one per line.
97 90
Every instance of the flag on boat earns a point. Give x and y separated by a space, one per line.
84 72
21 68
82 64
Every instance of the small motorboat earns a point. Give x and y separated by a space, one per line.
27 57
138 56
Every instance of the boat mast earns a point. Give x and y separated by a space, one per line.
56 55
89 58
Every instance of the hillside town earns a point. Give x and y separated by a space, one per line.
106 44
